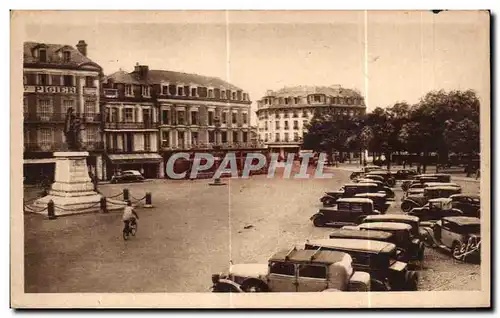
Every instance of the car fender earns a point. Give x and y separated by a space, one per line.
319 214
223 284
252 280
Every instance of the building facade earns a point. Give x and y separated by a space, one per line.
152 114
284 114
57 77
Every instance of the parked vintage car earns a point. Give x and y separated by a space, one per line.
469 204
412 249
296 270
375 177
389 178
127 176
460 235
364 170
423 178
413 221
380 202
349 191
375 257
348 211
417 188
435 209
405 174
381 187
419 200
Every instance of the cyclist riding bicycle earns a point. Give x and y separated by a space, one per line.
129 214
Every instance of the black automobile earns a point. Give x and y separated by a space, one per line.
469 204
127 176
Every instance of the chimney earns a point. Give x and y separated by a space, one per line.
82 47
141 70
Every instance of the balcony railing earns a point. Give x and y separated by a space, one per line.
110 92
59 146
131 125
90 91
211 145
60 117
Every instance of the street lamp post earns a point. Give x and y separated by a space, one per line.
217 147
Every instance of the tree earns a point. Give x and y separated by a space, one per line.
330 132
463 138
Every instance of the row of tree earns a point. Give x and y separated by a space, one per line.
441 123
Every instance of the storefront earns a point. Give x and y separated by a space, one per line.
150 165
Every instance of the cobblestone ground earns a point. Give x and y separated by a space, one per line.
194 230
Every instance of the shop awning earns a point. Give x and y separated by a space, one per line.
135 158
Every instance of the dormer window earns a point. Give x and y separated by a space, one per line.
223 95
295 100
210 93
287 100
42 55
245 96
234 96
194 92
164 90
180 91
146 91
66 56
128 90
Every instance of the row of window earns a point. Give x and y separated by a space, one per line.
44 79
46 135
181 116
312 99
42 56
277 125
126 143
295 114
277 138
181 140
129 115
173 90
45 105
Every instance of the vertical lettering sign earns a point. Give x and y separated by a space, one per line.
50 89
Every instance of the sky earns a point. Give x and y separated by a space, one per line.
389 56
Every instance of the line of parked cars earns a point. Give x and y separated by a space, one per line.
368 250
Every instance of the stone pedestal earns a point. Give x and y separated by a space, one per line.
73 190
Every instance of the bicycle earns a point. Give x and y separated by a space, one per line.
130 228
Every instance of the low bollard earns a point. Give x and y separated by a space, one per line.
104 207
51 210
149 200
125 194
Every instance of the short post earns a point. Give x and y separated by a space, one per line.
104 207
50 210
125 194
149 200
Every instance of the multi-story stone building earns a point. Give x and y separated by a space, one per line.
57 77
283 114
156 112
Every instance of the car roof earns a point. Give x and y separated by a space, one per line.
465 195
367 180
354 200
443 188
354 244
130 171
463 220
370 194
302 255
434 184
435 175
359 234
360 184
385 226
440 200
393 217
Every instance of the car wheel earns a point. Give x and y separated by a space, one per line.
391 182
411 279
318 221
254 286
407 206
113 181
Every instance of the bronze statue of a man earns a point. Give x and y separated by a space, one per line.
72 130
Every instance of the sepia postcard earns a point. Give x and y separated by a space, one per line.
250 159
